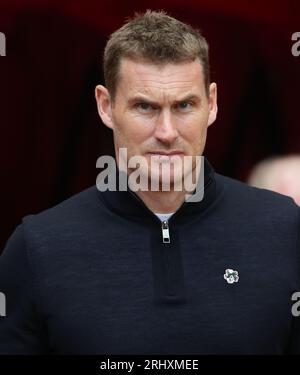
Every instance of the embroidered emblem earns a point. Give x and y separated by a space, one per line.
231 276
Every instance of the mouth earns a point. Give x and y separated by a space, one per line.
164 153
165 157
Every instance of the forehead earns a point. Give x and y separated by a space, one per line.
149 78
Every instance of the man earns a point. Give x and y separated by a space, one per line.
102 274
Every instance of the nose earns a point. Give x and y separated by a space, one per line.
165 129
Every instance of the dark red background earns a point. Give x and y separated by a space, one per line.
51 135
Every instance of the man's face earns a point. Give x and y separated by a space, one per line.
159 110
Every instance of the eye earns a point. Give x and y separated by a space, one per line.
142 106
184 105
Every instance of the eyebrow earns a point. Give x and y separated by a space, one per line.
141 98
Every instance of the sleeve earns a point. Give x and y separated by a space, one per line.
21 327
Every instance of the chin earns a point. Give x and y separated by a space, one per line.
169 178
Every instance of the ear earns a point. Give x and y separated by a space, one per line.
104 103
213 107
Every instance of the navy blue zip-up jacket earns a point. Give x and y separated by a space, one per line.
93 275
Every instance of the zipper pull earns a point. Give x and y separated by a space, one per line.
165 231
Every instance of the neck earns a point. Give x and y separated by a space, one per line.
163 202
167 201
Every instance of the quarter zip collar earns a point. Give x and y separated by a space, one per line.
127 203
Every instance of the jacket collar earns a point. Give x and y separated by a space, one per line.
127 203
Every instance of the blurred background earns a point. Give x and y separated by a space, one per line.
51 135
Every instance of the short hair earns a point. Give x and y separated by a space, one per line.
157 38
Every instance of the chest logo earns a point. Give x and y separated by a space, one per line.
231 276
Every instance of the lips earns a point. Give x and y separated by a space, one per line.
165 157
164 153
